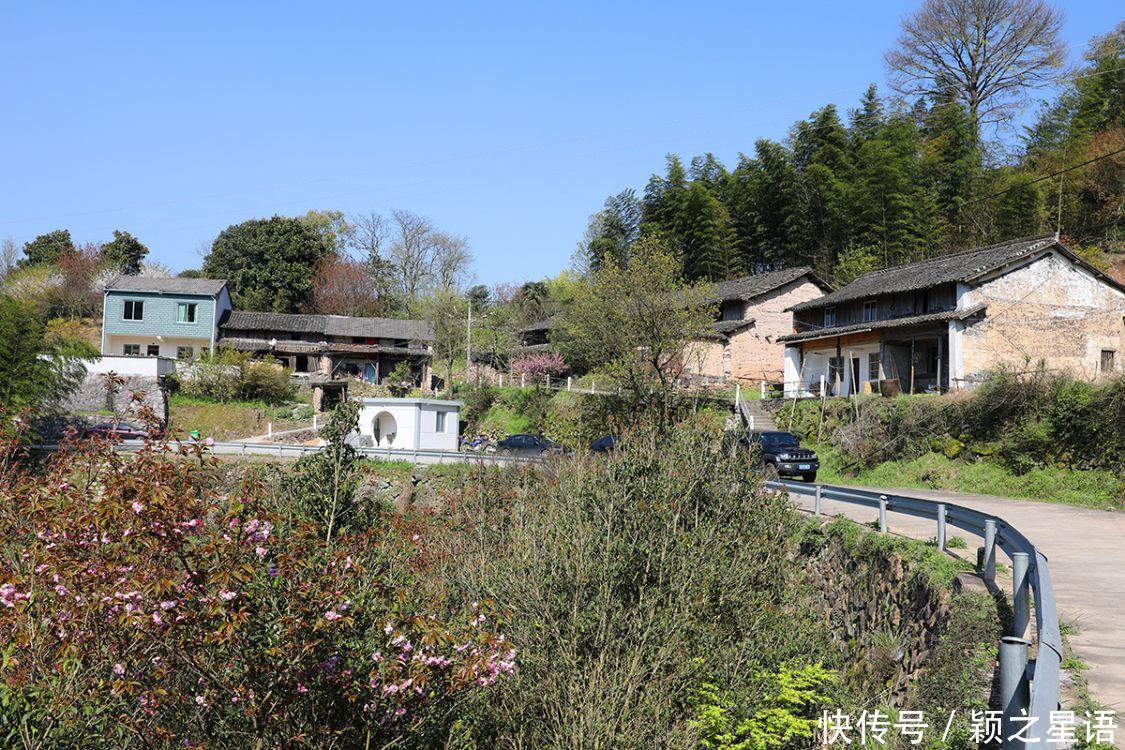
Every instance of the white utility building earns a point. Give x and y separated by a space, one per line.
410 423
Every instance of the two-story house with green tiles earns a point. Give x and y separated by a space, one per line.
174 318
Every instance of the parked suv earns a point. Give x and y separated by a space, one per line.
782 455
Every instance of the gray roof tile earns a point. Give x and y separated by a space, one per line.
929 273
755 285
329 325
209 287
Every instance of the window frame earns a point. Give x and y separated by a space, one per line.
129 311
873 375
185 308
1111 359
135 347
149 350
190 351
829 312
873 306
439 422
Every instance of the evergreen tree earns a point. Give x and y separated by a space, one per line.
664 198
822 154
46 248
703 234
125 253
951 165
613 230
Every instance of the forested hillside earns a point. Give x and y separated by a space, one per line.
893 180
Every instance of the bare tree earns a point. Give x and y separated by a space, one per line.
986 53
9 255
369 234
411 252
451 260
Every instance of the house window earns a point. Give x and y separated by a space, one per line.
870 310
132 350
873 366
1107 362
183 352
152 350
185 312
440 425
829 317
134 310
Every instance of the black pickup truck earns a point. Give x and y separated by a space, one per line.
782 455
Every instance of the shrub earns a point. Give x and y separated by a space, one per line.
236 376
139 607
626 582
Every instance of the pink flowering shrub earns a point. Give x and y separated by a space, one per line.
537 366
140 608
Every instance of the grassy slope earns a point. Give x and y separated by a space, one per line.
229 420
1091 489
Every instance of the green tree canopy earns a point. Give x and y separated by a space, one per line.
635 322
46 248
268 263
125 253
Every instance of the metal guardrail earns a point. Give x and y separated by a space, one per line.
1029 565
296 450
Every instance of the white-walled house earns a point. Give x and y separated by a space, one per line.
410 423
945 323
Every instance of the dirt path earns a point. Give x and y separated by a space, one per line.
1086 552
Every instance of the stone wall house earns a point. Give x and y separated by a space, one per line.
744 342
333 347
944 323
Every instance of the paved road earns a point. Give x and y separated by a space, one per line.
1086 552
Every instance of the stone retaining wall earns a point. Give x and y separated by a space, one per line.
885 620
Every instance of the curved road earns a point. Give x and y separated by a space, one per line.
1086 552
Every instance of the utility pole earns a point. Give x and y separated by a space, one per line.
469 344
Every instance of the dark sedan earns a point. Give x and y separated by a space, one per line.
527 445
118 431
605 444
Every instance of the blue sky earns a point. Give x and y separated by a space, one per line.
508 123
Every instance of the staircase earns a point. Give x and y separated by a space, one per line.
755 416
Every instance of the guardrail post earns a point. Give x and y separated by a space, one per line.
314 421
737 394
941 527
568 382
883 513
1021 605
269 429
763 390
1015 693
816 501
989 563
593 385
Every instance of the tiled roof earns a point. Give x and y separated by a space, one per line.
874 325
755 285
209 287
330 325
925 274
726 326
